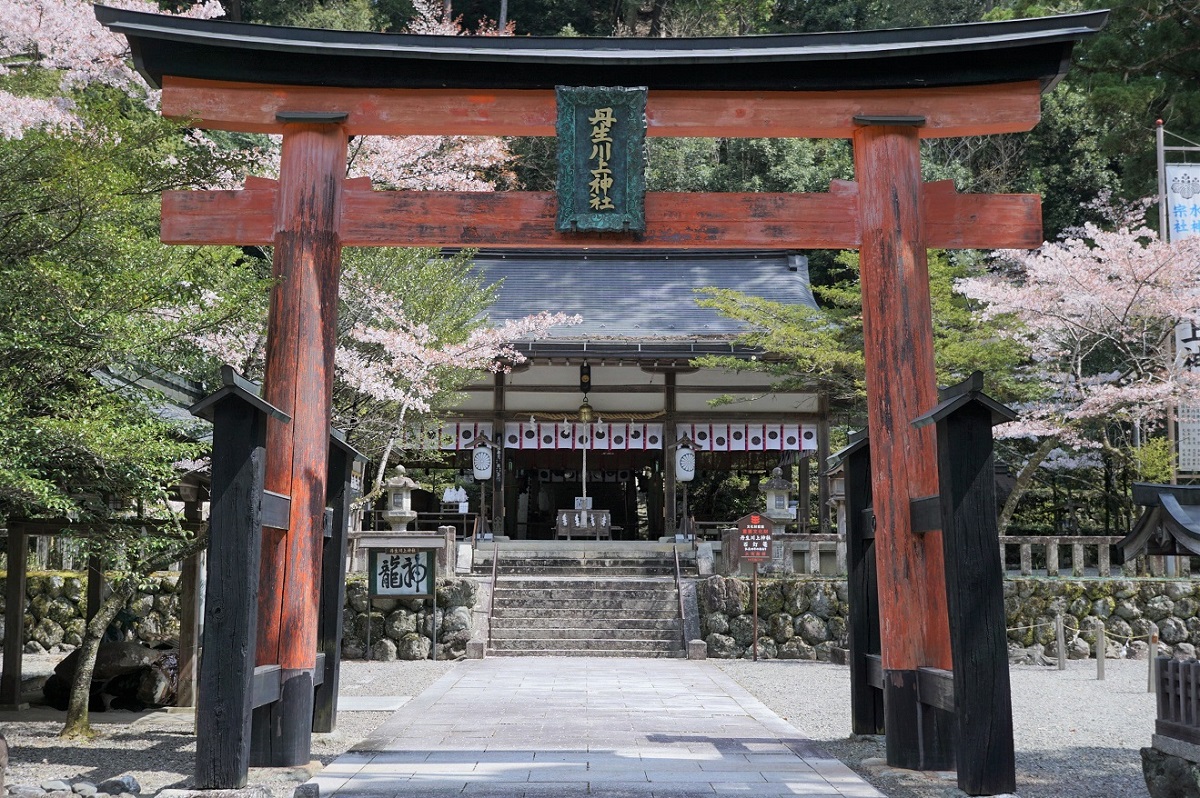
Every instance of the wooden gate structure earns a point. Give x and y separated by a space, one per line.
883 90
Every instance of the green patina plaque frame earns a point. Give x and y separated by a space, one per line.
582 201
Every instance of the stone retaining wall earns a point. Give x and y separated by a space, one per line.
400 629
806 617
405 628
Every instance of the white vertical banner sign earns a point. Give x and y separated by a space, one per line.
1183 200
1187 356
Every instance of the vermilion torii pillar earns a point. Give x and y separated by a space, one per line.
885 90
901 385
299 380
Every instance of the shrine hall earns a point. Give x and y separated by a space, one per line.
622 385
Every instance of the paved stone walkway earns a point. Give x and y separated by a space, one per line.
566 727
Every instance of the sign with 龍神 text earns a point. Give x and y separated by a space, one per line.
601 159
755 530
401 572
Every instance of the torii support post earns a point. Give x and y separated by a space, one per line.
225 698
866 698
14 618
901 384
975 586
299 381
342 491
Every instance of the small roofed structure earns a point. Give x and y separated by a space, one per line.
1170 523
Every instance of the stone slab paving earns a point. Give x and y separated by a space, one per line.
566 727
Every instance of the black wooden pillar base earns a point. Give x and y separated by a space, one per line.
282 730
919 737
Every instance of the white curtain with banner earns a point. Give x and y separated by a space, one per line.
742 437
604 436
448 436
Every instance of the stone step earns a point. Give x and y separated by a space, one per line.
557 644
577 571
613 591
558 592
592 582
641 608
542 620
612 652
601 612
574 559
583 633
632 607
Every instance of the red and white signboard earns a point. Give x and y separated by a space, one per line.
755 532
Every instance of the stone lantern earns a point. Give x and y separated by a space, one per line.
399 513
778 493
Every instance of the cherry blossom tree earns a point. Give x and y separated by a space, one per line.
63 36
411 333
1097 312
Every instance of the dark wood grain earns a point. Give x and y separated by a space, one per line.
975 593
14 616
231 602
866 695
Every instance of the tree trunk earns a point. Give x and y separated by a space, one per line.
1024 479
656 17
77 723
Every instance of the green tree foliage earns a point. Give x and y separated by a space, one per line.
822 349
1144 66
85 284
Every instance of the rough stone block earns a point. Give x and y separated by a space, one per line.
1170 776
476 649
697 649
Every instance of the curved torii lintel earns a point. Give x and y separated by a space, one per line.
969 79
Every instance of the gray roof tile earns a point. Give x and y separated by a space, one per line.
636 296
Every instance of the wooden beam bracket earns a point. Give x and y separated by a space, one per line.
935 688
910 121
925 514
276 509
312 117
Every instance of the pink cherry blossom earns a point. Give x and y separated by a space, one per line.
63 35
1110 295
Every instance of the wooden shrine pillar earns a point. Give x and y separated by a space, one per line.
901 385
14 618
299 381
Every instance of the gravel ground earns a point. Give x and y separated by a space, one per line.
1075 737
158 748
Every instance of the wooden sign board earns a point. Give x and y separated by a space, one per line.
410 573
754 532
601 159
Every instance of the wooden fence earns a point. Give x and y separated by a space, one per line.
1178 689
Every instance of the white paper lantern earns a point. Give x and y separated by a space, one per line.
685 464
481 462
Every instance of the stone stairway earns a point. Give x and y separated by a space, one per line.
584 600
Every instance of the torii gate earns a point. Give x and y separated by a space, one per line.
884 90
